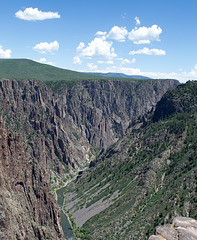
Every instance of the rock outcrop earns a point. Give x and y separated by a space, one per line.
182 228
28 209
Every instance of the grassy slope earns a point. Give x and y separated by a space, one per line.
54 77
153 168
28 69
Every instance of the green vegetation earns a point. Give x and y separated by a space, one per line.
148 177
56 78
80 233
28 69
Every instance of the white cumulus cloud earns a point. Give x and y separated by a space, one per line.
125 70
43 60
5 53
92 67
77 60
97 48
137 20
106 62
33 14
192 74
100 33
144 35
127 61
148 51
45 47
118 33
81 46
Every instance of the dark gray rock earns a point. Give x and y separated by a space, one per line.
104 109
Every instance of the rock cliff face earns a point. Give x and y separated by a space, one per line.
182 228
27 207
33 110
67 128
42 133
103 110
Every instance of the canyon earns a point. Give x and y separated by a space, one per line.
49 134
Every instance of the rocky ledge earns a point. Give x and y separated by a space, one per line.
182 228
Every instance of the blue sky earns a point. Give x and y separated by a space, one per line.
155 38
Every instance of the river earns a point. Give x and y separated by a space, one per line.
67 229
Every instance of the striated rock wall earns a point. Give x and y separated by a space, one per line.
103 110
182 228
67 128
32 109
28 209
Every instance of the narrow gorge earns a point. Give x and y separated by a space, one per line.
48 135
